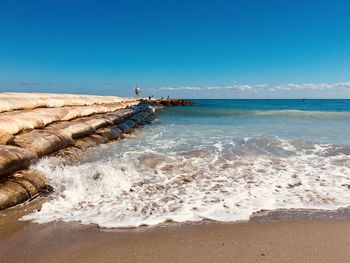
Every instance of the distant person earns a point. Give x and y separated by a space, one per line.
149 97
137 91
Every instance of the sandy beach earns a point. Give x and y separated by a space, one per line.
174 131
159 176
260 240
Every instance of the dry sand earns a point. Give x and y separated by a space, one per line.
301 240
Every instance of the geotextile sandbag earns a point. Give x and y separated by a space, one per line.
15 101
42 142
99 139
17 121
5 137
11 194
36 179
114 118
14 122
98 122
90 141
130 123
129 114
67 155
76 112
14 158
125 128
20 187
85 143
76 130
137 118
110 133
28 186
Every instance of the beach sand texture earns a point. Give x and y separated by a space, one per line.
283 241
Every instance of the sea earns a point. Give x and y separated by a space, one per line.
221 160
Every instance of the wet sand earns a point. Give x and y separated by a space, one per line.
260 240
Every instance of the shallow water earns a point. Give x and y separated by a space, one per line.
222 160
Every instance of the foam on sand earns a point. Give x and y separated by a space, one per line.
223 182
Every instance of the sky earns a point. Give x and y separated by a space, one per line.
184 49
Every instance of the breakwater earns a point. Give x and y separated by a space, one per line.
33 126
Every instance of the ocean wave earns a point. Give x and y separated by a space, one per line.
223 182
203 112
301 113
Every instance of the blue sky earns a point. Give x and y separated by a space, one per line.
190 49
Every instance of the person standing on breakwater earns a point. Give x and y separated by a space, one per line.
137 91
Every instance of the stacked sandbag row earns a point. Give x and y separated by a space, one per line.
121 124
67 140
63 138
63 134
20 187
13 158
25 101
14 122
27 147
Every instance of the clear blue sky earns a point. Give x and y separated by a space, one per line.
209 49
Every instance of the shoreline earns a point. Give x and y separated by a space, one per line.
60 125
292 235
265 238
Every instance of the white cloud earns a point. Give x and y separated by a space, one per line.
313 86
181 88
265 87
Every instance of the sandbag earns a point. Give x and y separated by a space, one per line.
136 118
99 139
11 194
110 133
146 118
85 143
144 114
130 123
43 142
125 128
33 181
66 156
78 130
114 118
72 129
15 122
13 158
129 114
98 122
5 137
20 187
30 188
77 112
90 141
15 101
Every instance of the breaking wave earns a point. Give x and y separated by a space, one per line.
191 165
223 181
267 113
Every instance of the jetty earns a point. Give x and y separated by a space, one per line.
35 125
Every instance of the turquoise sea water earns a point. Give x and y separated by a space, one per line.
326 121
221 160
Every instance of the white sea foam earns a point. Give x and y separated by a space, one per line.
301 113
223 181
